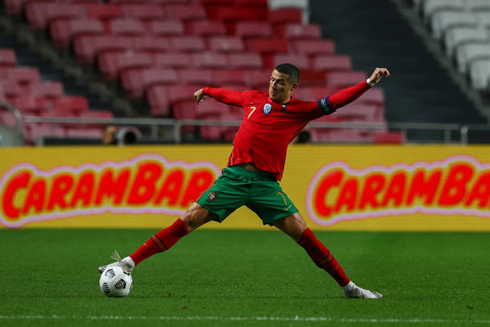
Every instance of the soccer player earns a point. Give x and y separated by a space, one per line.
271 121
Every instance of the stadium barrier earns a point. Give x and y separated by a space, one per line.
375 188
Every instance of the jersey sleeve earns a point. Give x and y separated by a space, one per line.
227 96
337 100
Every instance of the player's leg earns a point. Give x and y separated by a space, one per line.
194 217
295 226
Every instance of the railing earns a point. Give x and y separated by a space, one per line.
156 123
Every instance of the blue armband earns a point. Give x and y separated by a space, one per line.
325 106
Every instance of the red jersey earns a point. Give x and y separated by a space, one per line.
268 127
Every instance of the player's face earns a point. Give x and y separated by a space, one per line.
280 88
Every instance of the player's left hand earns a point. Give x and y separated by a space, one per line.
199 96
378 74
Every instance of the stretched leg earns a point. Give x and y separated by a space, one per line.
296 228
194 217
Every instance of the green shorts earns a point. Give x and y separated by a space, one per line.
259 191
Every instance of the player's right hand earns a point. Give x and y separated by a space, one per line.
199 96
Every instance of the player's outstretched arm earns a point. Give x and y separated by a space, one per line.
377 75
199 97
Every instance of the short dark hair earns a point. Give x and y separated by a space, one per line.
291 70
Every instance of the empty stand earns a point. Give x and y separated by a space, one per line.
210 60
169 27
344 79
64 31
172 60
245 60
226 44
112 64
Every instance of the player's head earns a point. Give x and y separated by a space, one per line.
284 79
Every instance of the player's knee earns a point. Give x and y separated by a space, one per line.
195 217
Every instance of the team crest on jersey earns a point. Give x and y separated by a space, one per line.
267 108
212 196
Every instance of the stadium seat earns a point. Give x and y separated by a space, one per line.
135 81
112 64
206 28
186 12
430 7
314 47
151 44
299 61
459 36
70 104
177 93
104 11
169 27
257 79
63 32
230 14
252 29
479 71
295 31
22 75
332 63
7 58
102 114
229 77
313 93
226 44
29 105
374 96
144 11
172 60
388 138
445 20
467 53
36 131
483 18
268 45
285 16
88 47
210 60
245 60
40 13
10 89
344 79
158 100
350 135
187 44
477 5
358 112
46 89
126 27
196 77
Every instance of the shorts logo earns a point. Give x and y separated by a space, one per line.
267 108
212 196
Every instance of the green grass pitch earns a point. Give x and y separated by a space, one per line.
245 278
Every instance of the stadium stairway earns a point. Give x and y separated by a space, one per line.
374 34
32 49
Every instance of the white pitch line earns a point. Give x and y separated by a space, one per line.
260 319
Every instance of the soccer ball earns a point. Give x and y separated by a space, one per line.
116 282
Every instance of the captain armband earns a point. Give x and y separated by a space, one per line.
325 106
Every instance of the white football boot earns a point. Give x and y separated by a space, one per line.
351 290
126 263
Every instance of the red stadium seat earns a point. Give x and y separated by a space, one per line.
210 60
143 11
246 60
22 75
314 47
36 131
235 14
7 58
10 89
135 81
70 104
374 96
186 12
29 105
46 89
206 28
185 110
151 44
196 77
229 77
349 136
177 93
172 60
388 138
112 64
126 26
102 114
104 11
251 3
226 44
209 108
358 112
258 79
332 63
158 100
87 47
253 30
300 31
40 13
344 79
299 61
313 93
285 16
268 45
63 31
170 27
187 44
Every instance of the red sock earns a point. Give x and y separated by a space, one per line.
322 257
161 241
